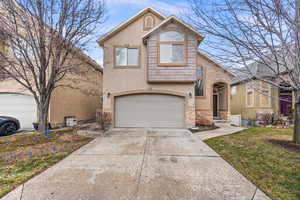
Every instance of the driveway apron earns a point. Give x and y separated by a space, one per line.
138 164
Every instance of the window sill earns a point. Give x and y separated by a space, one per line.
172 65
126 67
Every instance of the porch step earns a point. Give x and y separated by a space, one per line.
221 121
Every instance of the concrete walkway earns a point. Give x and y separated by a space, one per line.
140 164
225 129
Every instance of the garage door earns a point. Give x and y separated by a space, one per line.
149 110
22 107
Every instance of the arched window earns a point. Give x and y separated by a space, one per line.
171 48
148 22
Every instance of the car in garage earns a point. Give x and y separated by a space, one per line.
8 125
19 106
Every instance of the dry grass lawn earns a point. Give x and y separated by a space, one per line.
265 156
23 156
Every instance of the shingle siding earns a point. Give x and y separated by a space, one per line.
169 73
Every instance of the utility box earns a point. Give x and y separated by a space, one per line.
236 120
70 121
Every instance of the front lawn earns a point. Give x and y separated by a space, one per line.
266 157
23 156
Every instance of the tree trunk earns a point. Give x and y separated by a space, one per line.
296 137
43 111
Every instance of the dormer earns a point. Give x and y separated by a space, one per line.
172 51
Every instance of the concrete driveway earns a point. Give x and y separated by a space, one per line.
137 164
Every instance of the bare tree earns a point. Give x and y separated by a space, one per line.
44 40
263 32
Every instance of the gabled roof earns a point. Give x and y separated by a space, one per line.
132 19
215 62
258 70
172 19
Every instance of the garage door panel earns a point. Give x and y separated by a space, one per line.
149 110
22 107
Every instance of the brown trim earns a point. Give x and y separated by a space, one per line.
185 49
200 97
132 92
145 28
128 47
128 22
173 19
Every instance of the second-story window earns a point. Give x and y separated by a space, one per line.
126 57
171 48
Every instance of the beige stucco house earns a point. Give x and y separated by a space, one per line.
154 75
80 96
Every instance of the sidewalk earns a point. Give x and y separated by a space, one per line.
225 129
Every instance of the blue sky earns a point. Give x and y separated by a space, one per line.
120 10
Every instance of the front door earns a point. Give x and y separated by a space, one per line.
215 106
285 104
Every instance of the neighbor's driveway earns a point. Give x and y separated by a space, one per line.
132 164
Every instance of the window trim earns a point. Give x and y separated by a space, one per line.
261 95
203 79
184 43
145 28
127 66
253 95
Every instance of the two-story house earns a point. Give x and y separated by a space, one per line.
154 75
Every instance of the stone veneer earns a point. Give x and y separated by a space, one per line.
223 115
158 73
204 117
190 115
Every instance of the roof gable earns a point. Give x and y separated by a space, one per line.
125 24
216 63
170 20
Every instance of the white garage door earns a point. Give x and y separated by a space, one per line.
22 107
149 110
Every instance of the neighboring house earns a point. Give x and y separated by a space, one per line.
79 97
154 75
251 97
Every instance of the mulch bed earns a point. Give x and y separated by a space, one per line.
287 144
206 128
